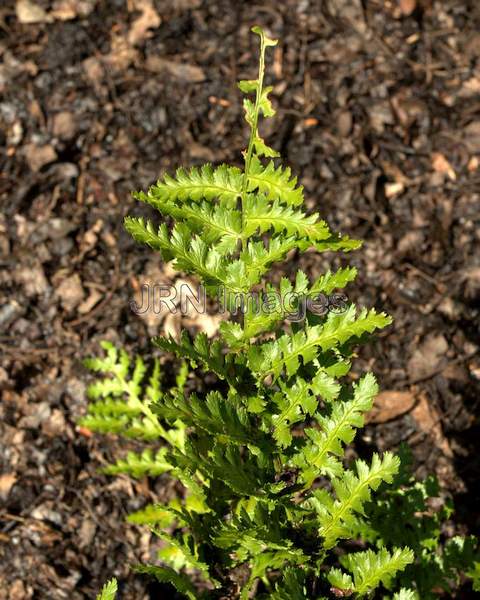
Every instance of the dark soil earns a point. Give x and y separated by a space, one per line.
379 115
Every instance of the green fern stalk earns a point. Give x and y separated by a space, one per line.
269 501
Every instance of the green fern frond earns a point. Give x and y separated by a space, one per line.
140 428
139 465
259 447
144 232
264 105
261 215
154 515
199 352
291 586
323 446
223 182
214 223
335 243
190 253
326 283
352 492
294 404
274 305
369 569
256 536
325 385
285 353
181 552
123 400
224 418
263 563
109 590
249 534
180 582
245 474
405 594
271 309
257 257
276 183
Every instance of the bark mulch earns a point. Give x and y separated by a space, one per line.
378 113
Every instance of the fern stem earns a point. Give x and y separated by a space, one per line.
251 144
253 135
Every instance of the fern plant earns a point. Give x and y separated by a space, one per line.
270 508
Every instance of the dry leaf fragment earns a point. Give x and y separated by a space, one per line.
441 165
94 71
427 357
412 240
209 324
389 405
172 325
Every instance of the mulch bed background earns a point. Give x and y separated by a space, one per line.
378 114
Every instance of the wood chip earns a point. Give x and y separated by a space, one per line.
18 591
32 279
64 10
93 299
39 156
394 189
70 292
310 122
63 125
7 481
441 165
471 136
344 123
55 425
29 12
473 164
86 533
181 71
149 19
429 422
407 7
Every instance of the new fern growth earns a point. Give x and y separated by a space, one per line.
269 503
